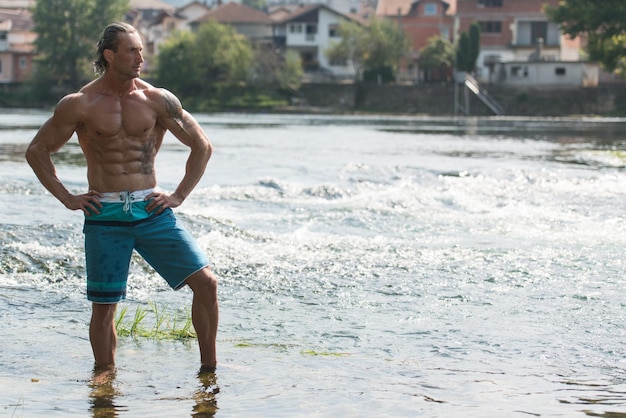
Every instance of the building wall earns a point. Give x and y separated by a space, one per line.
6 67
317 43
254 31
419 26
438 99
546 73
327 21
511 30
469 11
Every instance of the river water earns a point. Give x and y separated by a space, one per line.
369 266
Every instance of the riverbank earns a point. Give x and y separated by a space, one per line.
429 99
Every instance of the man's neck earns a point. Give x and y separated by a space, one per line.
117 85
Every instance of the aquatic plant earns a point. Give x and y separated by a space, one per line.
156 323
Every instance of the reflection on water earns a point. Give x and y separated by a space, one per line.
206 403
104 394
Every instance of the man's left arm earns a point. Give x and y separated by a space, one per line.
188 131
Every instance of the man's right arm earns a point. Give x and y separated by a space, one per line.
53 134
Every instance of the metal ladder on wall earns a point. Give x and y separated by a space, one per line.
471 84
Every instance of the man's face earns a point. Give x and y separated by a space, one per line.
128 58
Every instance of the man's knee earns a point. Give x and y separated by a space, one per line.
103 313
203 281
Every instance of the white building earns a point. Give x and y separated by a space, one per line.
310 31
547 73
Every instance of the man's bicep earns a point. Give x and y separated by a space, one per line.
53 134
177 120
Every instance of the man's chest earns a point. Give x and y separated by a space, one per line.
119 118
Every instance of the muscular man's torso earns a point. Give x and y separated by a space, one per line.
120 137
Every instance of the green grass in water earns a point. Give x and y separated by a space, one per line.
161 324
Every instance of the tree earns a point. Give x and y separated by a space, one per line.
190 63
374 49
468 49
462 52
437 55
604 23
67 33
474 46
289 75
352 48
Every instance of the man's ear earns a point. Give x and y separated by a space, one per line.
108 54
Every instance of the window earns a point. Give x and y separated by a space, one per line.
333 30
489 3
529 31
0 66
430 9
559 71
23 63
491 26
519 71
295 28
538 30
311 31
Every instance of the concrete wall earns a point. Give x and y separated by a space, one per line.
438 99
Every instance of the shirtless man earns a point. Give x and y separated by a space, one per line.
120 121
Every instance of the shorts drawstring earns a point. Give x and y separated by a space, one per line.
127 198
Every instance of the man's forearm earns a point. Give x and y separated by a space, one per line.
195 167
44 170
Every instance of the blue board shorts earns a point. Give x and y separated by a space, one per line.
124 225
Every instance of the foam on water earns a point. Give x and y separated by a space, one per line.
431 266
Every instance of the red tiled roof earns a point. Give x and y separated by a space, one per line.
235 13
402 7
17 19
305 13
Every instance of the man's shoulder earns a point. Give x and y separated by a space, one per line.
71 102
160 97
151 92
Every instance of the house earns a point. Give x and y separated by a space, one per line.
514 31
145 12
249 22
420 20
17 4
346 7
165 22
146 15
17 45
189 13
309 31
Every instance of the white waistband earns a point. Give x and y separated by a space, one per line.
125 197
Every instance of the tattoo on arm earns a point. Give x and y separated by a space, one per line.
175 110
